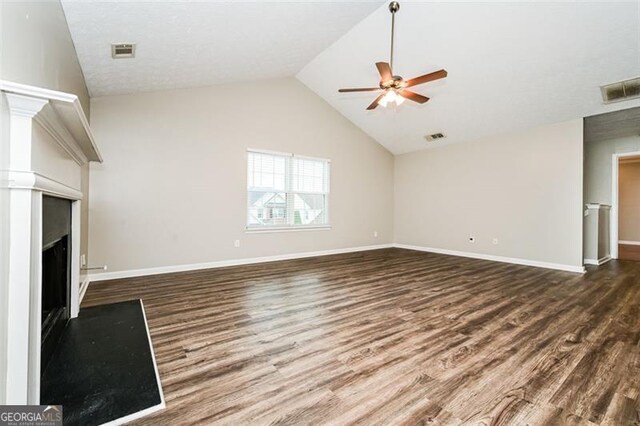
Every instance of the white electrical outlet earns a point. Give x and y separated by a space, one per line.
83 260
495 241
472 239
236 243
375 234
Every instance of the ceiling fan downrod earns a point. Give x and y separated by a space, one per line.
394 6
393 87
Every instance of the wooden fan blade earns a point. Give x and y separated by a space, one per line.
413 96
437 75
385 71
362 89
374 104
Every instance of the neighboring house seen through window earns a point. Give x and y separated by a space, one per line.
287 191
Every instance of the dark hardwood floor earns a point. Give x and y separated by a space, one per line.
393 337
629 252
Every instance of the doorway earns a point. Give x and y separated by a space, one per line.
625 206
608 138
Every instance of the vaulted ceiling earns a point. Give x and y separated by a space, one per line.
511 65
198 43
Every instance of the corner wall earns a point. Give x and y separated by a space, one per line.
172 189
523 188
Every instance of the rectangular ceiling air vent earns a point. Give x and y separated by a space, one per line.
621 91
435 137
123 50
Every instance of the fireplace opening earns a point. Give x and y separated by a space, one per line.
56 273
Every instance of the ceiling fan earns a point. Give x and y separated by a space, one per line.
393 86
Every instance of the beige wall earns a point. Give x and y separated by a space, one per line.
523 188
629 201
172 188
37 48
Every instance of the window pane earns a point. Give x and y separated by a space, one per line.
266 172
309 209
267 208
308 175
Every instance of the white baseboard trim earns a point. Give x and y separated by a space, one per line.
104 276
516 261
631 243
83 288
597 261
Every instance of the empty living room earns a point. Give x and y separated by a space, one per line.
319 212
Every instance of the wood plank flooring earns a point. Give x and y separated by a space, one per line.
393 337
629 252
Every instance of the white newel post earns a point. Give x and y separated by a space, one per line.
25 242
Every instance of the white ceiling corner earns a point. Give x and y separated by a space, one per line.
199 43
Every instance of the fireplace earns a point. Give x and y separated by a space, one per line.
56 273
49 139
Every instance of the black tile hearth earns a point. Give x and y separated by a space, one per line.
103 368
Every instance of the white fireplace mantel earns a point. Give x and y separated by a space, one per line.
61 117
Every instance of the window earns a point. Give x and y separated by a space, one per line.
287 191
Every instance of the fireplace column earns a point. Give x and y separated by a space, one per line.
25 240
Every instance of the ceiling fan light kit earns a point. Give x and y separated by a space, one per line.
391 97
394 87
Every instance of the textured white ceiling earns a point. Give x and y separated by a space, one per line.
511 66
189 44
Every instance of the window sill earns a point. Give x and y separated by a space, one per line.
287 229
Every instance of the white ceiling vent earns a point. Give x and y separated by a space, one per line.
123 50
435 137
621 91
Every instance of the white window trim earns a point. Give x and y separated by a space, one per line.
289 228
300 228
287 154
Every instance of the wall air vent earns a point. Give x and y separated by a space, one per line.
621 91
123 50
435 137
